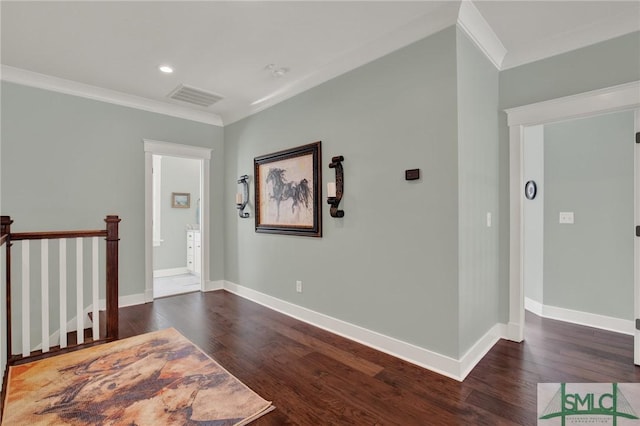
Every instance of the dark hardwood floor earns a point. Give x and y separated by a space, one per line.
314 377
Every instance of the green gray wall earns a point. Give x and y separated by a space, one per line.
588 266
601 65
69 161
604 64
177 175
391 264
533 214
478 192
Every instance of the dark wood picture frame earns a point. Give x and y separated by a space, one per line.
289 190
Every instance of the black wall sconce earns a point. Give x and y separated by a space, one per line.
242 200
335 189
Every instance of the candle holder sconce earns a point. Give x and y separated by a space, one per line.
336 163
245 199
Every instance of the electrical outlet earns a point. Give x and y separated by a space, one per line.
488 219
299 286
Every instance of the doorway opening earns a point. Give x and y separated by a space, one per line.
176 219
625 97
176 225
578 251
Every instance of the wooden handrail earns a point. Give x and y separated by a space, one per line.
50 235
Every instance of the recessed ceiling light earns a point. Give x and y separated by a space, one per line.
165 69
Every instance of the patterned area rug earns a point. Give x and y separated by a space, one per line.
158 378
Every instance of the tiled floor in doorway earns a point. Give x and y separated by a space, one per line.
177 284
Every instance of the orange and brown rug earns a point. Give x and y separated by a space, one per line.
159 378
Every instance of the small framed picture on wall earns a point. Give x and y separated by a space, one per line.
180 200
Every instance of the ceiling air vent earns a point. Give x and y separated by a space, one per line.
194 96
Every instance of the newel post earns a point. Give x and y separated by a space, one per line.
5 229
5 224
112 276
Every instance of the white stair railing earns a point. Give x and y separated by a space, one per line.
78 282
29 289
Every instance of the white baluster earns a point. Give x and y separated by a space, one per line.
26 326
79 292
63 293
95 281
44 282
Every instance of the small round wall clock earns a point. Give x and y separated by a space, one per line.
530 190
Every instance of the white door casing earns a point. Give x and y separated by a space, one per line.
636 241
612 99
152 147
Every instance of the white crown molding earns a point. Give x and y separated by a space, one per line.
442 364
617 98
422 27
480 32
603 322
55 84
464 14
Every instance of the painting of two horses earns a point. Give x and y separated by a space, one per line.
287 188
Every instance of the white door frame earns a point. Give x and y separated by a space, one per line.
151 148
612 99
636 241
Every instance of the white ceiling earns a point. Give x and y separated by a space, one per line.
223 47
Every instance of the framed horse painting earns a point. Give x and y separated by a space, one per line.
288 191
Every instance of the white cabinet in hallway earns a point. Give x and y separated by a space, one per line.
193 252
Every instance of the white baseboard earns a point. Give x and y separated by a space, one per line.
533 306
131 300
124 301
475 354
159 273
602 322
442 364
214 285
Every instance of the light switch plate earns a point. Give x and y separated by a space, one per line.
566 217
